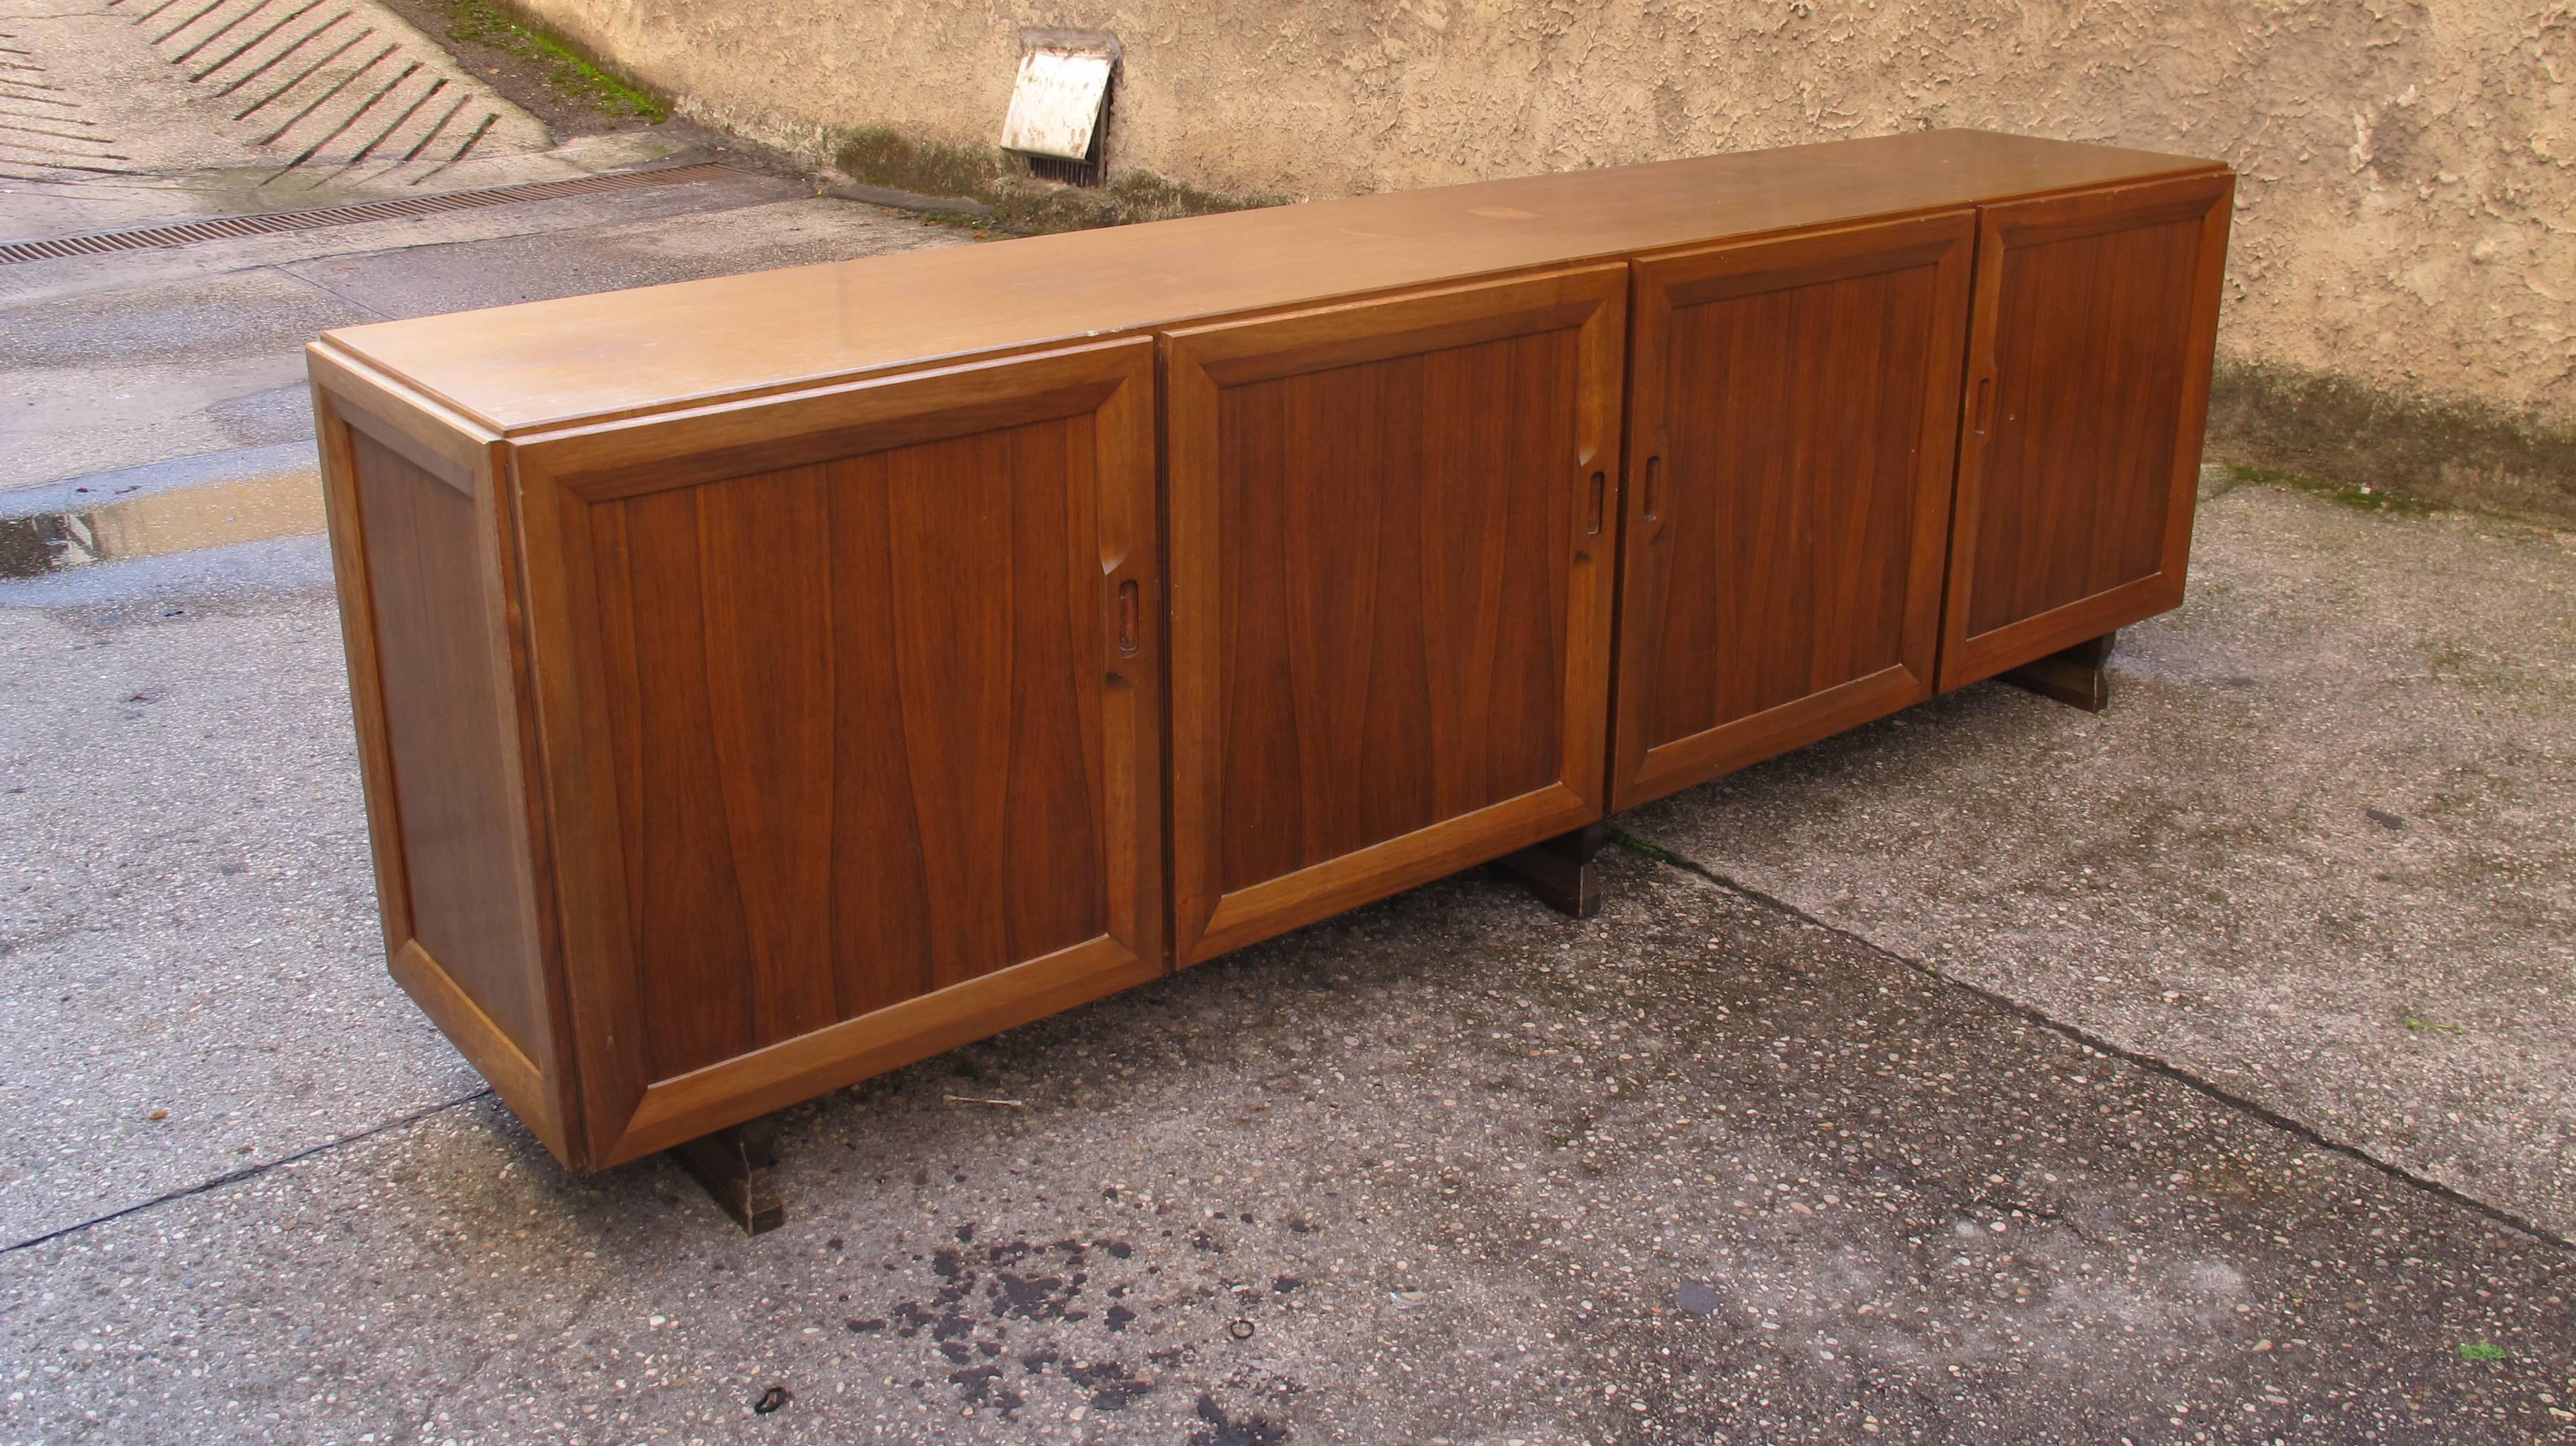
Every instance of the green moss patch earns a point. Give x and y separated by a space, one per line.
882 156
562 66
2364 497
992 178
2331 434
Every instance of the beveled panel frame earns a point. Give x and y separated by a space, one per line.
2204 197
1198 362
562 475
350 399
1669 281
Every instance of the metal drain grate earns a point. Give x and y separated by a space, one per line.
226 228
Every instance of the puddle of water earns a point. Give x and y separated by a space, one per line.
156 524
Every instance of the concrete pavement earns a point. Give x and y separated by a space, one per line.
1450 1169
1509 1177
2320 851
119 361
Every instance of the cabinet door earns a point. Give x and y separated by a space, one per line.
1391 543
2088 387
1793 414
850 704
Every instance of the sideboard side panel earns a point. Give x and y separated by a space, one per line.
421 555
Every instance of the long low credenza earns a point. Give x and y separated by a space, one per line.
765 682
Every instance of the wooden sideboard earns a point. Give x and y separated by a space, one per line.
764 682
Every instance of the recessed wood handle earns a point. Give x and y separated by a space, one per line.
1985 410
1127 619
1600 497
1654 499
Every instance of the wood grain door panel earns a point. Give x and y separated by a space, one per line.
2088 389
1391 535
1793 410
853 699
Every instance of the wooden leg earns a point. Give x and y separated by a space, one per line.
737 1165
1560 870
2073 676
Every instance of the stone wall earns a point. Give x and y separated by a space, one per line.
2406 228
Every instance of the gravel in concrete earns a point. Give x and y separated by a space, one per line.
105 381
191 976
1448 1169
95 380
2320 850
541 265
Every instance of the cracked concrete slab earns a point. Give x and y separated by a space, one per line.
193 978
2318 850
1449 1168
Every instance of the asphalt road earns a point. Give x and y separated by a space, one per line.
2194 1072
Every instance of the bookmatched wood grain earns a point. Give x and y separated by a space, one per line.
1392 546
850 724
1793 411
2088 388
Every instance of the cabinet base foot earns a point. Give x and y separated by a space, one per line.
1560 870
738 1167
2073 676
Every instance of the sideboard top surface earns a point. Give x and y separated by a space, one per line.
524 368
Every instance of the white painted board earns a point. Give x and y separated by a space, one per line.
1055 103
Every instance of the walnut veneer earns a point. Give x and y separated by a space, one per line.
767 681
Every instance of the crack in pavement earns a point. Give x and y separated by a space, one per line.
1658 854
247 1172
2219 1093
